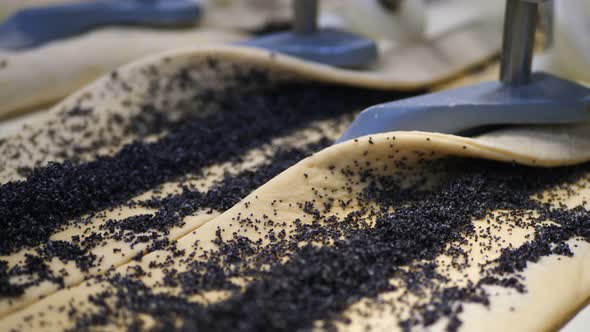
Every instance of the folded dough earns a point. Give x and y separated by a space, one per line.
176 111
37 77
514 264
41 76
532 146
125 106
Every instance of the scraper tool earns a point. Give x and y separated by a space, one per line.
328 46
33 27
519 97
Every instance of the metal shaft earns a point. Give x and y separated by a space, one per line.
306 13
520 23
548 20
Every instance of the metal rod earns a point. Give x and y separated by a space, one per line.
520 23
548 20
306 13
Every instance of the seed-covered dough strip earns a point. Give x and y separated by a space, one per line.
496 270
156 189
130 103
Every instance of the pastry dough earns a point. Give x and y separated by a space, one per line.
34 78
556 286
414 66
97 121
531 146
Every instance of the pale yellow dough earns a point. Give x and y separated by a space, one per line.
33 78
112 95
545 306
542 146
37 77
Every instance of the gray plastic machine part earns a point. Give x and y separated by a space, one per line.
328 46
545 100
519 98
